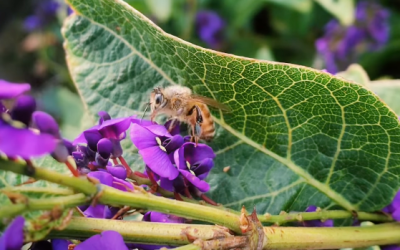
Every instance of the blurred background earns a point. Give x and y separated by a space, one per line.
324 34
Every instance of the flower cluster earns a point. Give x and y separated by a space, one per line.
209 28
178 164
340 46
44 13
172 161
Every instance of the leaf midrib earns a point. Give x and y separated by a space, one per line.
333 195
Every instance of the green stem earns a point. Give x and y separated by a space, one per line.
184 209
331 237
188 247
113 196
82 185
322 215
278 237
12 210
140 231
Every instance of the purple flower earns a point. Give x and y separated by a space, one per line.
24 143
47 125
44 12
107 240
23 109
117 171
194 163
340 46
316 223
104 150
112 129
156 146
13 236
11 90
394 207
209 27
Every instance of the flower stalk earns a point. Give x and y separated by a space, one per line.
278 237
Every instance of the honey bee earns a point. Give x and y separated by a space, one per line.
178 103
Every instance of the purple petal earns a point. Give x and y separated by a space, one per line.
142 137
396 200
32 22
112 129
100 161
173 143
141 122
96 211
104 116
390 247
153 216
158 130
167 184
60 153
104 177
24 143
104 147
396 215
107 240
81 138
11 90
158 161
195 154
92 137
122 185
46 124
13 236
23 109
69 146
311 208
202 168
117 171
117 148
200 184
60 244
109 212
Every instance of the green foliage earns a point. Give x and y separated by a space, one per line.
343 10
39 223
296 136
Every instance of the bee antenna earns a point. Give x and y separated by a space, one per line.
145 110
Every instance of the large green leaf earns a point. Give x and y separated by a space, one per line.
296 136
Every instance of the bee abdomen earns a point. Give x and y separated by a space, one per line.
208 130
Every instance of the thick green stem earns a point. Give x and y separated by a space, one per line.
322 215
185 209
140 232
12 210
331 237
278 237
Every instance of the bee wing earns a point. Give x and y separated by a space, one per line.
211 102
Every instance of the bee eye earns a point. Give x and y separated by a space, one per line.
159 99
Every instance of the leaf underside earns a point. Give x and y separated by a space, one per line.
295 137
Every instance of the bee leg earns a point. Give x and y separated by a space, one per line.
172 125
196 133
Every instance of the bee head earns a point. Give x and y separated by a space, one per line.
157 99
